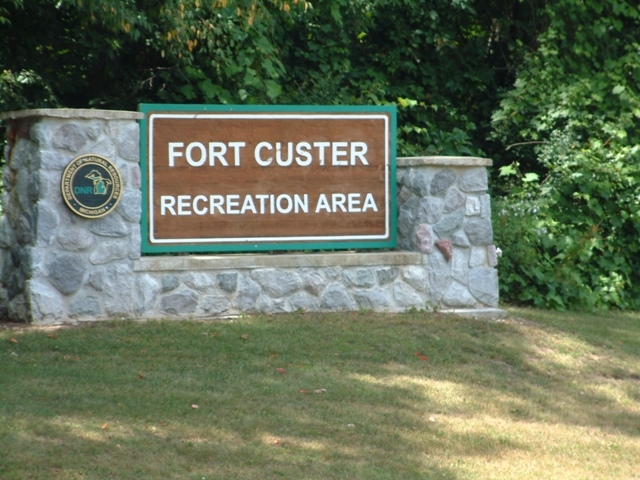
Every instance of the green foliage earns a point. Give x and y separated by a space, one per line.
573 118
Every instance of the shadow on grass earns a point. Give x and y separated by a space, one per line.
301 396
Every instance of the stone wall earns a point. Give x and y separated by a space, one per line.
56 266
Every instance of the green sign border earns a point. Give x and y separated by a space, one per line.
147 248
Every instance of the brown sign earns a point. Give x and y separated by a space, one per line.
246 180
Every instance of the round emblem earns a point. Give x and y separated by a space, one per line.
91 186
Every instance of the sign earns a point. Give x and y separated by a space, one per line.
91 186
247 178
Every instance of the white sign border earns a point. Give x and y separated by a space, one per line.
267 116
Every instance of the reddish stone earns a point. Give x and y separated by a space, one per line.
445 247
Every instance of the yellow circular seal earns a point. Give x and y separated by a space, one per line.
91 186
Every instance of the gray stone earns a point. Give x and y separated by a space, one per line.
46 302
335 297
215 305
199 281
6 232
106 148
70 137
416 277
18 310
53 160
263 304
430 210
407 218
169 282
96 280
460 264
147 292
439 276
248 292
483 284
406 297
442 181
304 301
472 207
93 129
135 241
40 133
85 306
75 239
314 283
180 303
419 182
477 257
130 206
48 220
333 273
479 231
386 275
108 251
424 238
118 290
453 200
359 278
485 206
129 142
374 298
449 224
228 281
33 189
276 282
474 180
109 226
21 154
458 296
459 239
66 272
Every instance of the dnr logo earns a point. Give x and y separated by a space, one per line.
91 186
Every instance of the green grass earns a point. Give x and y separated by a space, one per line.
542 395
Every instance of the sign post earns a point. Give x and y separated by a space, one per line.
255 178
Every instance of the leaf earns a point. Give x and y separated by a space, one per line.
104 425
13 340
245 336
281 370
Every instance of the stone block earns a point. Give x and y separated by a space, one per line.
374 298
66 272
483 285
335 297
406 297
215 304
182 302
442 181
417 277
359 278
227 281
479 231
474 180
453 200
277 282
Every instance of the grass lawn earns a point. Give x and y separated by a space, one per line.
540 395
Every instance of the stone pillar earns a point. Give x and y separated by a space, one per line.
445 213
53 263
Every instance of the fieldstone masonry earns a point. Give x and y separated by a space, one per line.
56 266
